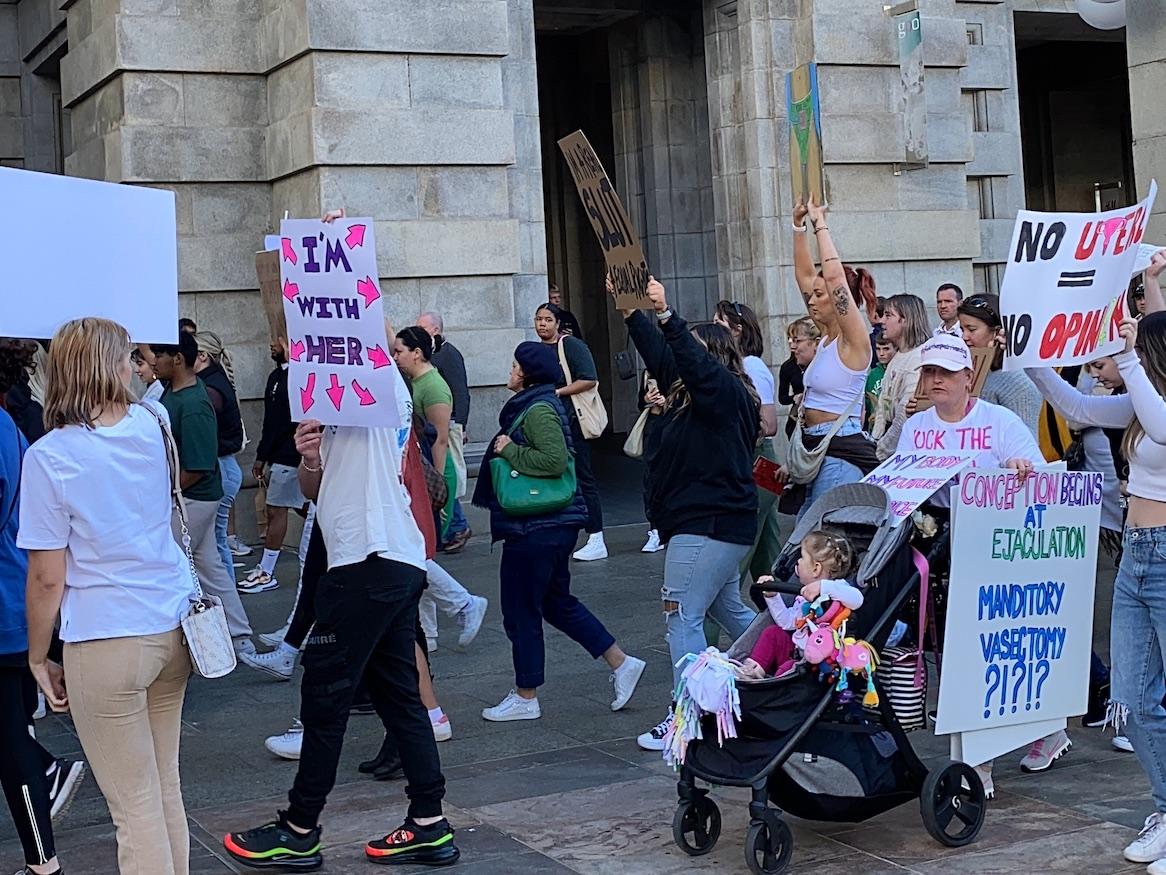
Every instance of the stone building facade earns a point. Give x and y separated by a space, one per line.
439 119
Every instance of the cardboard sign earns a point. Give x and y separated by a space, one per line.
340 368
609 220
982 358
75 247
1020 599
267 272
909 479
804 110
1066 273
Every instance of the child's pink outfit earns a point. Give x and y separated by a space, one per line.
774 650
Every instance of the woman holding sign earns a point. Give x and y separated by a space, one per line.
1138 622
982 326
835 381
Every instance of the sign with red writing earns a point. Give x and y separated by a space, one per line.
1064 290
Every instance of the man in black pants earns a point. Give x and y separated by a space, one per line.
365 626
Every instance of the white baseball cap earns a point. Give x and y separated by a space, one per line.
946 351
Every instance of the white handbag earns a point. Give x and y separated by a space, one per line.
803 464
588 405
204 626
634 445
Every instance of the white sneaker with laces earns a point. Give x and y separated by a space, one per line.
1158 867
653 739
624 680
513 707
1150 845
653 544
274 639
1046 751
442 729
243 647
276 663
595 548
288 745
1122 743
237 547
258 580
470 619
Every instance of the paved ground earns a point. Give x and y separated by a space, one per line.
572 792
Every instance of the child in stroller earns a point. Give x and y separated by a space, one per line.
826 558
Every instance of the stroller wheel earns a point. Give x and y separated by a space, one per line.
768 847
696 826
953 805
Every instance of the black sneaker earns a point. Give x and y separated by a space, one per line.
275 845
64 778
1098 702
427 845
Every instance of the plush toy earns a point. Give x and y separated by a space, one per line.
858 657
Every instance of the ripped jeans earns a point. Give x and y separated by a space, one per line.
1137 638
701 576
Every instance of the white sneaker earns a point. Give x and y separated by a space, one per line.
274 639
624 679
1122 743
64 777
237 547
653 544
430 645
276 663
442 729
258 581
595 548
1156 868
1150 845
513 707
470 619
1047 751
244 647
653 739
984 770
288 745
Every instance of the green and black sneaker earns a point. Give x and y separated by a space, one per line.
276 845
426 845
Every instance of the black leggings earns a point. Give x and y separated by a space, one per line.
24 764
586 476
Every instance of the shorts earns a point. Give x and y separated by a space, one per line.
283 488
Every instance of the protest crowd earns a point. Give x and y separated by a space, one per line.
118 506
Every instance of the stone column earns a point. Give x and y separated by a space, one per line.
1146 53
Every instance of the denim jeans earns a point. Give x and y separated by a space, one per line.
232 477
536 586
457 523
1137 634
701 576
834 472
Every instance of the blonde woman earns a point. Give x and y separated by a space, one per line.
95 520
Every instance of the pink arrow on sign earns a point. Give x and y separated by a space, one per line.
335 392
378 357
368 290
355 236
363 394
289 253
297 350
290 290
306 393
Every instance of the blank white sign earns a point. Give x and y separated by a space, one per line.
74 247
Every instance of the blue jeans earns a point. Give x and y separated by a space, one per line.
457 523
834 472
1137 637
232 477
701 576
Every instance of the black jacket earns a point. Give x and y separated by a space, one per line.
700 479
448 360
226 405
278 442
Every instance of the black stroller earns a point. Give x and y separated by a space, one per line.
798 748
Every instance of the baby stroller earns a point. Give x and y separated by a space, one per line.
801 750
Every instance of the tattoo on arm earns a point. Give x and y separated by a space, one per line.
842 300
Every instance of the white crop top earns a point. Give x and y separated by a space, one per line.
1148 461
831 386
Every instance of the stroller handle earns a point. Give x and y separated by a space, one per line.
759 590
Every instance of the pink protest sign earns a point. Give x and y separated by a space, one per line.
340 371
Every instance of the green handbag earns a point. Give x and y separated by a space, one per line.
524 495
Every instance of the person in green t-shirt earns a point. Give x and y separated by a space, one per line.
196 434
885 351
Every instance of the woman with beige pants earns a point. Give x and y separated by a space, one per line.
95 520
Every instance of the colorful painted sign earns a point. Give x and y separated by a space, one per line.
909 479
622 251
75 247
1062 299
1020 599
340 367
807 172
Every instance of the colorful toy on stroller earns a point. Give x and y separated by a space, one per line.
809 751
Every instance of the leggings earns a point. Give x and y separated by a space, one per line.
24 764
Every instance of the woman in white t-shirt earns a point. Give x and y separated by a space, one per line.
95 520
746 330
